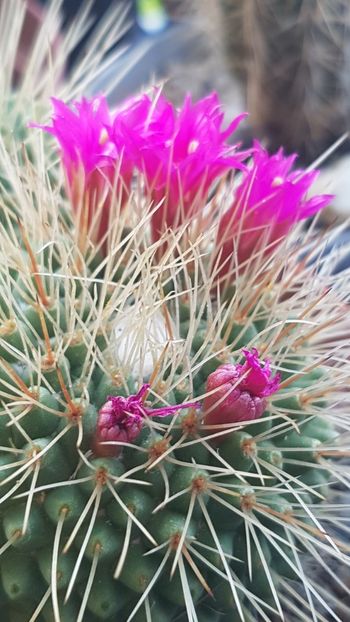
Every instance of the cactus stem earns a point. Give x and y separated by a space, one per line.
74 411
97 499
131 515
290 519
11 450
89 583
14 536
248 503
160 457
201 545
265 285
306 399
207 467
219 458
37 456
15 421
196 571
81 519
150 585
19 382
249 530
136 469
258 468
55 551
320 328
313 517
156 370
163 503
124 551
158 548
17 485
41 605
29 502
296 602
34 266
225 490
299 375
279 473
266 569
334 453
284 427
44 488
168 323
190 608
228 572
32 460
83 225
166 482
49 358
286 330
158 450
190 424
178 541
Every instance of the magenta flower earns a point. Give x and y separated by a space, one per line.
91 161
239 392
269 201
79 130
180 152
122 418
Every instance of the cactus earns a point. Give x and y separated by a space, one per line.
172 382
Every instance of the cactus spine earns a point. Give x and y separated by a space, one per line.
179 516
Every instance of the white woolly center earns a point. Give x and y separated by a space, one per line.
140 341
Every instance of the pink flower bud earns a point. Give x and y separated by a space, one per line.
239 392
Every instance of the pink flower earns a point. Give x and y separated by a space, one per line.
122 418
91 161
269 201
239 392
180 152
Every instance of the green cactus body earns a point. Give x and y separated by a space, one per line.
121 506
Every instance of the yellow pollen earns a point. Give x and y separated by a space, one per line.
103 136
278 181
192 147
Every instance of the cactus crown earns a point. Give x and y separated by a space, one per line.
150 470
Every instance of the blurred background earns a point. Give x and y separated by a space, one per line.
285 61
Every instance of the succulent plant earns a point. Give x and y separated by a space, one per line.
173 369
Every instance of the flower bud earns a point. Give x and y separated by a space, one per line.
238 392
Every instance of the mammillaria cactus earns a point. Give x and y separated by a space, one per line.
172 408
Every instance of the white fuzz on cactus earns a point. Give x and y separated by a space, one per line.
173 363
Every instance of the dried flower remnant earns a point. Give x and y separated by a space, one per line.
238 392
270 199
121 419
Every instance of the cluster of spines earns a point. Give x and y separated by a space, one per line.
77 525
254 480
